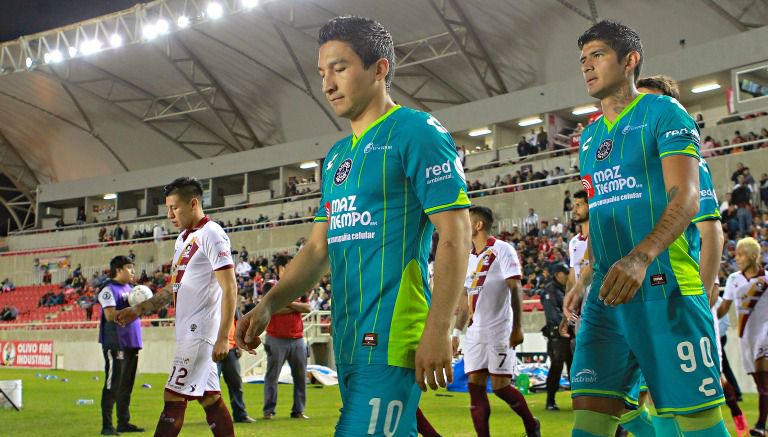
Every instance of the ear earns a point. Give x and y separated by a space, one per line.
382 68
632 60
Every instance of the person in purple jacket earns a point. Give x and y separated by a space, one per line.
121 345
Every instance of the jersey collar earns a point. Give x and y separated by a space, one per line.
356 139
491 241
610 124
199 225
760 273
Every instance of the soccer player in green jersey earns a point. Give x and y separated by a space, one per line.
648 309
384 189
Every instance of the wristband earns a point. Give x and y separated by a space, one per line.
456 332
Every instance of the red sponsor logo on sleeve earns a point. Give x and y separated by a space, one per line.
223 253
589 187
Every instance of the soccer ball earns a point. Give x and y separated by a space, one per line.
139 294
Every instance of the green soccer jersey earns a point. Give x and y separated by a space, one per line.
377 192
621 172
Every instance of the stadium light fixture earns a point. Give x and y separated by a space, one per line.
28 62
214 10
90 46
529 121
585 110
479 132
706 87
248 4
116 40
110 196
72 52
162 27
182 22
307 165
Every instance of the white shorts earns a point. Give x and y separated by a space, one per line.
496 358
194 372
752 349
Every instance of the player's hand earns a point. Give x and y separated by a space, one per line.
220 350
433 360
126 316
455 346
572 302
516 338
624 278
250 326
564 328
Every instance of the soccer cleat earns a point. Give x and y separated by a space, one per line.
742 428
246 419
299 416
757 432
129 428
269 416
553 407
536 432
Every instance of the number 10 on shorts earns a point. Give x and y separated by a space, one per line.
394 411
687 353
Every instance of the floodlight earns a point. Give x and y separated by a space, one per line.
214 10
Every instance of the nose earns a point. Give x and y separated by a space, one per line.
329 84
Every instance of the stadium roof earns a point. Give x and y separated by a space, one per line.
248 79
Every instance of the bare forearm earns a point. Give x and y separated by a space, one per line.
228 302
517 307
452 251
154 304
299 307
683 204
711 250
301 274
461 318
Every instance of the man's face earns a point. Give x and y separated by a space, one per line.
580 210
126 273
347 85
561 277
602 71
180 211
476 223
744 259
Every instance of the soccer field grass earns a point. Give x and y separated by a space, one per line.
50 409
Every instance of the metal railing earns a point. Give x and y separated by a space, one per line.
83 324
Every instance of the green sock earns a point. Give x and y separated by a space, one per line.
708 423
638 422
665 426
592 424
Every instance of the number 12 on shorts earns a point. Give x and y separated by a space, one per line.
687 353
392 416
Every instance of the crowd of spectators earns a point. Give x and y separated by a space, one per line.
8 313
7 286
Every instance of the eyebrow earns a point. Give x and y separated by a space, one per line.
333 63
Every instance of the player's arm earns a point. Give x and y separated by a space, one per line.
516 337
728 296
226 279
462 315
574 295
109 313
300 274
161 298
571 281
709 258
724 307
681 180
299 307
433 356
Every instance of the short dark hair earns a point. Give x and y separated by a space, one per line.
665 84
185 187
117 263
484 214
581 194
368 38
282 260
621 38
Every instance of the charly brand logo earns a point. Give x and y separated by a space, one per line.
585 376
342 172
330 162
585 146
604 150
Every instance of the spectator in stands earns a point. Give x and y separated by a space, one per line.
462 155
243 254
556 229
523 148
7 286
60 223
132 255
737 172
531 140
578 129
707 147
542 143
558 347
737 138
9 313
80 216
764 190
230 368
700 120
531 222
741 197
243 269
102 234
157 233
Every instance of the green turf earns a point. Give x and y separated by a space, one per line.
50 410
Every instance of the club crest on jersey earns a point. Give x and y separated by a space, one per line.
604 150
342 172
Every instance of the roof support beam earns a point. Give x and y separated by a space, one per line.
470 45
589 17
24 181
723 13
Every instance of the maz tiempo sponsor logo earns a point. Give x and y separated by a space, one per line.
344 214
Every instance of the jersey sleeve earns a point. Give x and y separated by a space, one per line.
676 132
216 246
730 287
107 298
471 267
572 261
509 262
433 166
330 164
709 208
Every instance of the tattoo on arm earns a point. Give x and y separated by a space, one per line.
672 223
162 298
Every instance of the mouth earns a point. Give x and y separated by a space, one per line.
591 81
335 100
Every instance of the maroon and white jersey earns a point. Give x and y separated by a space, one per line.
577 250
488 293
199 253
